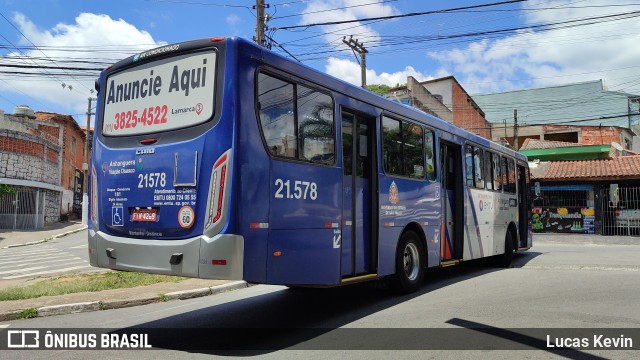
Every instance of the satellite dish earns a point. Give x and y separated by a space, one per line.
617 146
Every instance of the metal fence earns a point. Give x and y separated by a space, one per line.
23 209
621 210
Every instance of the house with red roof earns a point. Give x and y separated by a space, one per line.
584 188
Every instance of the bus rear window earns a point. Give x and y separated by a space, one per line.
163 95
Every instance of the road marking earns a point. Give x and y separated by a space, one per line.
31 252
41 258
22 270
46 272
15 264
79 247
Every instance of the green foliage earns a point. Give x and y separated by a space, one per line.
6 189
69 284
378 88
28 313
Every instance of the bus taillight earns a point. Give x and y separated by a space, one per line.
215 203
94 197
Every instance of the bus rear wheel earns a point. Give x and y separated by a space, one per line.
409 263
505 259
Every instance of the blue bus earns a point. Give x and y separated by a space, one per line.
219 159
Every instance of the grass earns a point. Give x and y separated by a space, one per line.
29 313
76 283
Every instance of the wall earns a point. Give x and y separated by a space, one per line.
30 160
427 100
467 114
71 160
28 157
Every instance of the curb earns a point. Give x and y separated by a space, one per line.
117 304
57 236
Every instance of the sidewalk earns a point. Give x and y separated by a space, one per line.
99 300
10 238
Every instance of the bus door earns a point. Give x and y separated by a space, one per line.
359 181
453 201
523 206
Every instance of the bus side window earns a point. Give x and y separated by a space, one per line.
430 155
505 175
497 174
468 160
275 104
478 167
512 176
488 167
402 148
315 126
413 150
391 146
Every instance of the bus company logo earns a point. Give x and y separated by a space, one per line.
393 193
139 165
136 57
149 151
22 339
197 108
105 168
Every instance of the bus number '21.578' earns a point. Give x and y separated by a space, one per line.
152 180
301 189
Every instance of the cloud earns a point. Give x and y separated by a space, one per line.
349 71
605 51
317 12
233 19
94 37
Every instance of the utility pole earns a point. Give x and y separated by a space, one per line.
261 23
354 45
85 167
515 129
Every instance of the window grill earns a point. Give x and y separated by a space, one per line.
621 211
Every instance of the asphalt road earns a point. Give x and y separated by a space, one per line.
554 285
66 254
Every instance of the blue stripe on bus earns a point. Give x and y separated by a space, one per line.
475 221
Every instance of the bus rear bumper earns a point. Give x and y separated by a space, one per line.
219 257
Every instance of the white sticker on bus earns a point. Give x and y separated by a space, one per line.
186 217
296 189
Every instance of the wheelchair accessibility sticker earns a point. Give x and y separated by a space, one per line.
117 216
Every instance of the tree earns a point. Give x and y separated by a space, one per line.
6 189
378 88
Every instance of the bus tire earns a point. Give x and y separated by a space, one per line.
410 263
505 259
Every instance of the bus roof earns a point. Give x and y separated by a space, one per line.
324 80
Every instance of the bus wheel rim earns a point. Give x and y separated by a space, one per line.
411 261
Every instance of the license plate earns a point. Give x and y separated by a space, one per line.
149 215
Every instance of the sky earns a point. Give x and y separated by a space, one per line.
52 50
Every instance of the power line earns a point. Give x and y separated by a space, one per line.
29 40
400 16
333 9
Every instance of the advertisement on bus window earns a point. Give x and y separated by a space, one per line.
160 96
